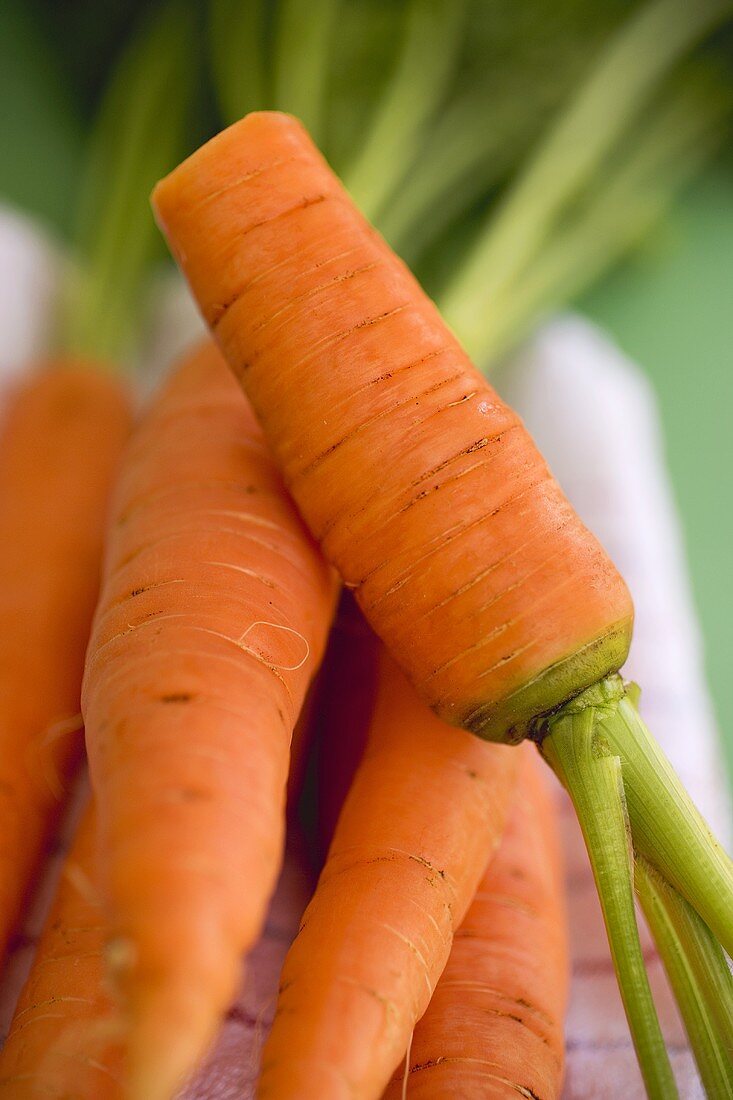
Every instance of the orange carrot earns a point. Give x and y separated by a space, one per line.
64 1039
425 811
422 487
59 450
494 1027
213 617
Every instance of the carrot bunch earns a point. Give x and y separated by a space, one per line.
432 958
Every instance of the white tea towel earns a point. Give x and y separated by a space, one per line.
29 268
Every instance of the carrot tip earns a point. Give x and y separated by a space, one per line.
169 1031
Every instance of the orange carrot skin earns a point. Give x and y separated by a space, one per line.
425 811
422 486
64 1039
212 619
60 447
494 1027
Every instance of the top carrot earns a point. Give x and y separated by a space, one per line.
429 496
423 488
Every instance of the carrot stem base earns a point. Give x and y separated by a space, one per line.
592 777
631 806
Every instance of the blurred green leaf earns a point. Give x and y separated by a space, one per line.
629 73
303 41
369 36
424 67
518 63
238 47
142 130
40 133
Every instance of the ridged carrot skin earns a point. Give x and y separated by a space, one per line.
494 1027
422 486
64 1040
425 811
213 617
60 445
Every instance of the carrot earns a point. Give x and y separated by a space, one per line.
422 817
59 450
213 616
429 496
423 488
65 1036
64 1039
494 1027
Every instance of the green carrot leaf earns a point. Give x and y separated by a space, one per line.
238 54
591 774
139 135
635 62
698 973
433 35
304 34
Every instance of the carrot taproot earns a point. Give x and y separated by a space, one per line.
426 809
213 616
62 438
422 486
494 1026
65 1039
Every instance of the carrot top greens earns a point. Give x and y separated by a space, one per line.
140 131
508 190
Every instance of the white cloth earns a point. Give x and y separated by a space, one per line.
29 266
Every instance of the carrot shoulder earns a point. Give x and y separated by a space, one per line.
60 447
213 617
422 486
424 813
494 1027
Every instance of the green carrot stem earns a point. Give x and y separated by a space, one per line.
302 41
699 976
668 831
425 65
634 196
465 153
237 34
593 779
138 135
631 69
